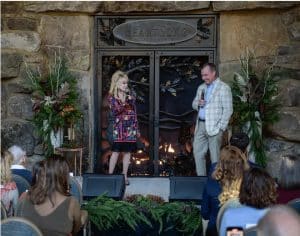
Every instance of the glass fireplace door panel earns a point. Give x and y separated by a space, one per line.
138 68
179 77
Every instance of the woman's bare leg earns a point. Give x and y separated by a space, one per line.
126 162
113 161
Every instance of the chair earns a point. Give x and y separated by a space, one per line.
22 183
3 211
85 222
231 203
19 226
251 231
295 204
75 189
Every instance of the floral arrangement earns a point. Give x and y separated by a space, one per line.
55 100
255 102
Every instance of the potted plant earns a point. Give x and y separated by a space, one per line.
55 102
255 102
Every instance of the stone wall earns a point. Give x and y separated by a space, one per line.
31 37
273 35
30 31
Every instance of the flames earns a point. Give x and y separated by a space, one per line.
171 149
167 148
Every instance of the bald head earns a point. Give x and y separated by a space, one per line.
279 221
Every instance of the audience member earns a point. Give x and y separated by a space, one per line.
19 162
289 179
48 203
229 172
210 205
258 191
241 140
279 221
8 191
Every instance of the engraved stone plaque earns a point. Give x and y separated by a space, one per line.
154 31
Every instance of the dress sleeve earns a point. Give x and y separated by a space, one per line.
115 107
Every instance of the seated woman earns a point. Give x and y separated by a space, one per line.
48 203
289 179
258 191
8 189
229 171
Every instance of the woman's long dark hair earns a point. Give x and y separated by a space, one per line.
37 170
258 189
54 177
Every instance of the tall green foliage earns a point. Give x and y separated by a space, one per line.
55 100
255 102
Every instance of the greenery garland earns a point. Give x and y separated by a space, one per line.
109 214
255 102
55 100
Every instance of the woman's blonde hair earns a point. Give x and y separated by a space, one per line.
6 162
229 172
114 81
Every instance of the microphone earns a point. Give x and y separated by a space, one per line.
203 94
128 93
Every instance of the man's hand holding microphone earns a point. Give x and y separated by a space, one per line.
202 99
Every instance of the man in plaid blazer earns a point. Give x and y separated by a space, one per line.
213 102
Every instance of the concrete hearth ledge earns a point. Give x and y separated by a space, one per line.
154 186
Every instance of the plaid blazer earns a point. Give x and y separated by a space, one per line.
218 108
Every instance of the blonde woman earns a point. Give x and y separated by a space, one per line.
229 172
125 125
8 191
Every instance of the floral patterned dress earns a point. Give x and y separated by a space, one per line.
125 125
